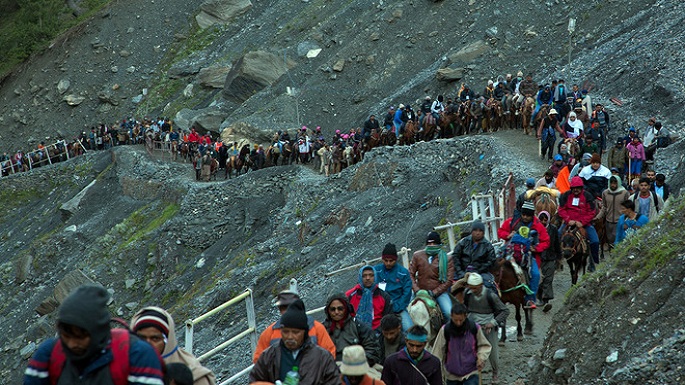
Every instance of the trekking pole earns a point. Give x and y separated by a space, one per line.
480 377
629 173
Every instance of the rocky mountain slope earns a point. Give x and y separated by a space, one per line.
152 235
341 60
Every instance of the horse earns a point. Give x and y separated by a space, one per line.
348 156
424 311
409 135
527 114
272 155
233 163
513 291
388 138
428 128
496 115
213 168
545 199
575 250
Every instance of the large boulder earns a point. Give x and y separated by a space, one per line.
208 119
253 72
450 74
468 53
71 281
221 11
213 77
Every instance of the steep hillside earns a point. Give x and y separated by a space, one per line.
623 324
151 58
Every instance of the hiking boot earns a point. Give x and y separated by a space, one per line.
547 307
530 305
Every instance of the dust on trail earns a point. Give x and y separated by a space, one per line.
514 356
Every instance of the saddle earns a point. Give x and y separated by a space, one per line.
581 235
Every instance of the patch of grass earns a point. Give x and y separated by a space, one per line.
619 291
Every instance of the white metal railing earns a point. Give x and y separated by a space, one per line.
9 165
251 331
484 209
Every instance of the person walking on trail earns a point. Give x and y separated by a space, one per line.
577 208
647 202
369 301
487 310
345 330
526 238
354 368
629 222
432 270
394 279
611 205
546 134
474 253
550 258
86 351
297 353
156 326
391 340
413 364
462 348
271 336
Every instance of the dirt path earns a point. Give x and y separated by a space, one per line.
514 356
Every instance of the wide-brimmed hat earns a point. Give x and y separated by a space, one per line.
354 361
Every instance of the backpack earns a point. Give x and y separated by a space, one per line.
656 201
118 368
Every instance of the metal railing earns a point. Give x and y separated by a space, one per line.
489 211
251 331
46 155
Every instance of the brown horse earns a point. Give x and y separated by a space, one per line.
527 114
575 250
409 135
429 127
497 115
373 141
512 290
272 155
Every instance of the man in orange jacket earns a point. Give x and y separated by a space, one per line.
272 334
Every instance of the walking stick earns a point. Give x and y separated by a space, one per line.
629 173
480 377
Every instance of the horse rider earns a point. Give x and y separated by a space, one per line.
425 109
438 108
387 121
432 270
474 253
370 125
520 234
577 208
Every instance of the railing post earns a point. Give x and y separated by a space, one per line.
66 150
251 321
189 337
452 238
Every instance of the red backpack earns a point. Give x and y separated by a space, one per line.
118 368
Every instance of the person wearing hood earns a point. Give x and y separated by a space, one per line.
369 302
345 330
272 334
462 348
577 208
611 205
89 350
595 176
432 270
156 326
618 157
394 279
296 352
549 260
573 128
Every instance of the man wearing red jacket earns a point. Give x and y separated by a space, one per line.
577 207
370 303
193 137
519 230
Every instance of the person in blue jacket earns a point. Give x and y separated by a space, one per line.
629 221
395 280
87 352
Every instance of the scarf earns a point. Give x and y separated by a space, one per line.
442 260
365 309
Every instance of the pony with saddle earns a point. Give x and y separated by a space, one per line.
575 250
424 311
